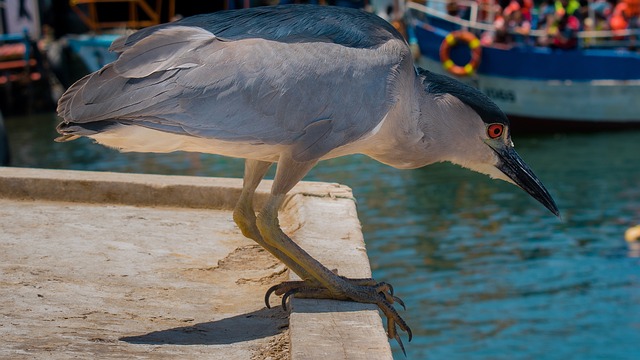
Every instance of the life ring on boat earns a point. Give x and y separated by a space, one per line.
452 40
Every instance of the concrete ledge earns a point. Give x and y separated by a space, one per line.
129 265
141 189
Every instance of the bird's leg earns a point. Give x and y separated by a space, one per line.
318 280
244 215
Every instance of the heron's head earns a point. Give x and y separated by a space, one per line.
469 129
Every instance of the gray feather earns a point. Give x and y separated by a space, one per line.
186 80
285 23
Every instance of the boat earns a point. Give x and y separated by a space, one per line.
592 86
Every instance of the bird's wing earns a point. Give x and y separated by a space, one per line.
284 23
313 96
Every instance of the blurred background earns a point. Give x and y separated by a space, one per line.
485 271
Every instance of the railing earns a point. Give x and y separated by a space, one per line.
472 23
598 38
88 13
17 58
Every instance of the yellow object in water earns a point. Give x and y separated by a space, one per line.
632 234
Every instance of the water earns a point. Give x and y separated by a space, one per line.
486 272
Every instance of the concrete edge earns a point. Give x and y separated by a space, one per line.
319 329
142 189
329 329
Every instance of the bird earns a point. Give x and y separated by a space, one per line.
292 85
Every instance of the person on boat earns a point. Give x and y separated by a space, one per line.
582 13
602 10
526 7
626 15
487 10
563 32
567 6
453 8
546 14
511 25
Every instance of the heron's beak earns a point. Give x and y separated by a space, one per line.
515 168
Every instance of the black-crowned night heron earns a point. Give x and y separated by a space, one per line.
291 85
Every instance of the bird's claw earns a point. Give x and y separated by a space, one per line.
392 333
286 288
267 295
381 295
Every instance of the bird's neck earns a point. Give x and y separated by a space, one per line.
420 130
401 141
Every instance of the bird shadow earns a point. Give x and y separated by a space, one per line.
244 327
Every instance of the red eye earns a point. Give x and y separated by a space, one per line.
495 130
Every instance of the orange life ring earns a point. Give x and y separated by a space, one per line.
452 40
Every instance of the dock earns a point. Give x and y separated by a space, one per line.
112 265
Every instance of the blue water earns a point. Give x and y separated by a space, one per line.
485 271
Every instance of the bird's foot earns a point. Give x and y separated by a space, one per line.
360 290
